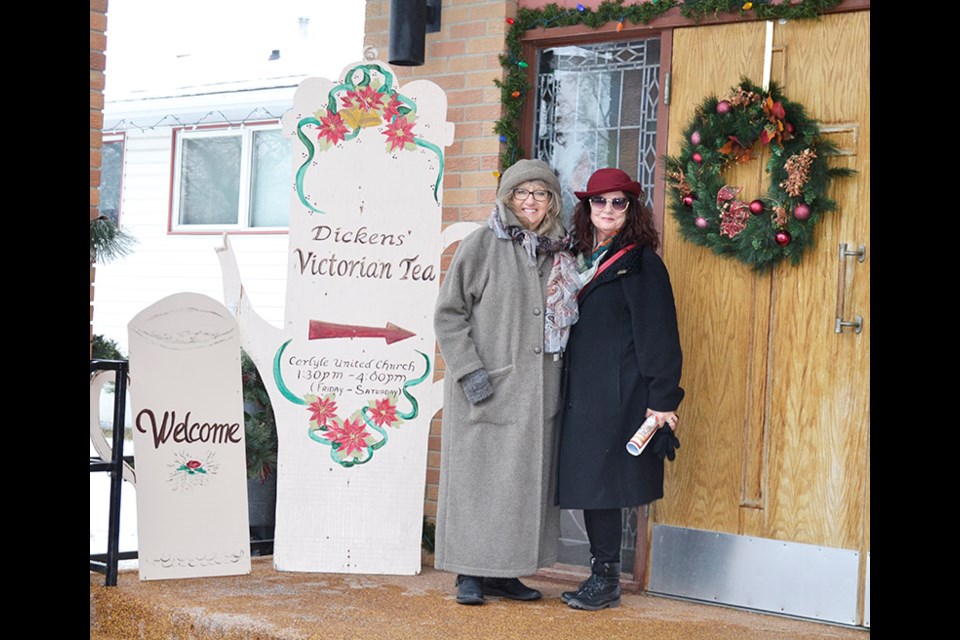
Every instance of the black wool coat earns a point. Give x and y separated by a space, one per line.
623 356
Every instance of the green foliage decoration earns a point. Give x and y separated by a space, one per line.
106 349
429 538
260 427
514 87
108 241
760 231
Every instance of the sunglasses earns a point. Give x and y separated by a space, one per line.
618 204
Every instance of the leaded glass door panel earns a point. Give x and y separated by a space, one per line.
597 107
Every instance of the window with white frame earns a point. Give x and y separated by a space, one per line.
111 176
236 178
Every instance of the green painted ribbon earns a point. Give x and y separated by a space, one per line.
302 171
278 378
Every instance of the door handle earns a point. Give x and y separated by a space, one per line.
857 322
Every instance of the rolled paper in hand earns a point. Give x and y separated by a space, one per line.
642 437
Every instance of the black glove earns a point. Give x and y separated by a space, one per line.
664 443
477 386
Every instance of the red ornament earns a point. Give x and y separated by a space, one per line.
510 20
783 238
801 211
723 106
515 94
701 222
697 158
695 137
756 207
688 200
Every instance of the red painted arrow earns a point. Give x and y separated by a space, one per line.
323 330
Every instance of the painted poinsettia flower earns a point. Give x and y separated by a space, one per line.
400 135
332 130
322 410
392 110
365 98
351 437
384 412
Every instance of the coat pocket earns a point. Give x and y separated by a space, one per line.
503 407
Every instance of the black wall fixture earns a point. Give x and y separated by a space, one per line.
410 21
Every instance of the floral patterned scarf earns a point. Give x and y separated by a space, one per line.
562 286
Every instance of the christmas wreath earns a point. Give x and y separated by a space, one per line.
764 230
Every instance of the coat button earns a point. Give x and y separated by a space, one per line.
536 311
540 273
536 349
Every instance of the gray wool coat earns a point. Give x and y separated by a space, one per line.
496 512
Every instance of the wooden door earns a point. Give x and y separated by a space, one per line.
775 425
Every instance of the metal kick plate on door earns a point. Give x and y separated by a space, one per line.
789 578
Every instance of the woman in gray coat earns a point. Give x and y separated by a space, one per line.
502 318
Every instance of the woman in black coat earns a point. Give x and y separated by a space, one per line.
622 365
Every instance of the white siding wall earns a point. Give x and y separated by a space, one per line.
162 264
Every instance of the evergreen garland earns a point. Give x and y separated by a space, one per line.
759 231
514 87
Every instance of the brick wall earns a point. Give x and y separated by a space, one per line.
98 63
463 59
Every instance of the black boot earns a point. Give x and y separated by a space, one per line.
469 590
509 588
566 595
602 589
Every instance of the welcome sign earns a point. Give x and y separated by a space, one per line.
187 409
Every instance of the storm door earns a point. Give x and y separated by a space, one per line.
596 106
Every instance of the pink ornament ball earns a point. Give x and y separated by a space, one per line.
695 137
687 200
701 222
723 106
697 158
783 238
801 211
756 207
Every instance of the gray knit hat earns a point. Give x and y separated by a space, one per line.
525 170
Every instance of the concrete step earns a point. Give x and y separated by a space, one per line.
280 605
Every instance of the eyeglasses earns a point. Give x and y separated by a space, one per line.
618 204
539 195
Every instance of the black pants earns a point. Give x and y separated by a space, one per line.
604 528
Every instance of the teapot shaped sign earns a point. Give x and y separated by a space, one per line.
349 373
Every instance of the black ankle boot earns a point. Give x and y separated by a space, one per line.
509 588
469 590
601 590
566 595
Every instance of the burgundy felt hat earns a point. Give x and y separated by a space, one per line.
610 179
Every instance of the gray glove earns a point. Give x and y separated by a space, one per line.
476 385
